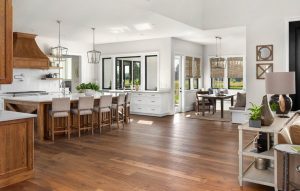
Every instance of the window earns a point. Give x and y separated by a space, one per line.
216 74
187 84
235 72
195 83
107 73
217 83
151 72
196 72
128 72
235 83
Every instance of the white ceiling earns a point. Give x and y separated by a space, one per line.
117 20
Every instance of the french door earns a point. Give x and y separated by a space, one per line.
178 85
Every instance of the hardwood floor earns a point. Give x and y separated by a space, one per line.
151 154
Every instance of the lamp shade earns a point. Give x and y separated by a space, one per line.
280 83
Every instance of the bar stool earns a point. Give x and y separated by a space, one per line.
118 109
127 107
104 111
60 109
85 108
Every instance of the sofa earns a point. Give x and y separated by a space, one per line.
289 134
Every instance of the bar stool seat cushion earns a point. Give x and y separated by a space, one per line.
114 106
82 112
105 109
59 113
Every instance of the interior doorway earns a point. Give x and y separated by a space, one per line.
178 93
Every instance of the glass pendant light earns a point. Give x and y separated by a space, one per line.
218 61
93 55
59 52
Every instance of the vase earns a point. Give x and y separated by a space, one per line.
267 117
255 123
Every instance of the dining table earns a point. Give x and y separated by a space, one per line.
41 105
214 98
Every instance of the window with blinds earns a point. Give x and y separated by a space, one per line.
235 72
188 67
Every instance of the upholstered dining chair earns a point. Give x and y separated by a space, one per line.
127 107
118 110
60 109
104 111
85 108
207 102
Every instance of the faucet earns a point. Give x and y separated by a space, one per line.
19 77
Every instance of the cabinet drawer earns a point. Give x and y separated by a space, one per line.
153 95
154 101
154 110
137 108
138 95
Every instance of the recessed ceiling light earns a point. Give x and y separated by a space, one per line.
143 26
118 30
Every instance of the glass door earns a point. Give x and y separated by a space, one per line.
178 93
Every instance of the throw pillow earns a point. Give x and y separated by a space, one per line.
240 100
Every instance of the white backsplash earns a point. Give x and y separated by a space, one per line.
32 81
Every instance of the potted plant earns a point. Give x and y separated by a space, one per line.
88 89
255 115
137 85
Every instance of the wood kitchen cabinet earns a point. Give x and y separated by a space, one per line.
16 147
6 42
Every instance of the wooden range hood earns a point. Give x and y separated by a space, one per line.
27 54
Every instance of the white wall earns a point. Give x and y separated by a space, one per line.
32 80
185 48
162 46
266 23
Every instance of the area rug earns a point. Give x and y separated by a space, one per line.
210 116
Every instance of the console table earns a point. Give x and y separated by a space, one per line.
251 174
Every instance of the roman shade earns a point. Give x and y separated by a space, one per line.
215 71
188 67
235 67
197 68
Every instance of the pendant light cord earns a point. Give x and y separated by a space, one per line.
93 38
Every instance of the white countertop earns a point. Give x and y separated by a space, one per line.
48 98
10 116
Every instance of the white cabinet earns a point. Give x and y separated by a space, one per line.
150 103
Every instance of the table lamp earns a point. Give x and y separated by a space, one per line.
281 84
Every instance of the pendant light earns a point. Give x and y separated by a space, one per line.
218 62
59 52
93 55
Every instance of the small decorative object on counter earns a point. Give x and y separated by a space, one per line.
137 85
255 115
267 117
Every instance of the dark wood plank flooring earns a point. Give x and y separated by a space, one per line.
151 154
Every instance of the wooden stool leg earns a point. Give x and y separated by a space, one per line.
78 121
100 121
69 128
110 116
92 125
117 117
52 127
123 117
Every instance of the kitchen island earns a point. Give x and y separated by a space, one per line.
41 106
16 147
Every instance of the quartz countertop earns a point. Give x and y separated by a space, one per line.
49 97
11 115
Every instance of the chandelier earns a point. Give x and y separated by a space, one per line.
59 52
93 55
218 62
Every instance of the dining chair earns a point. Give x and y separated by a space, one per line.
127 107
118 110
104 111
84 109
208 103
60 109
